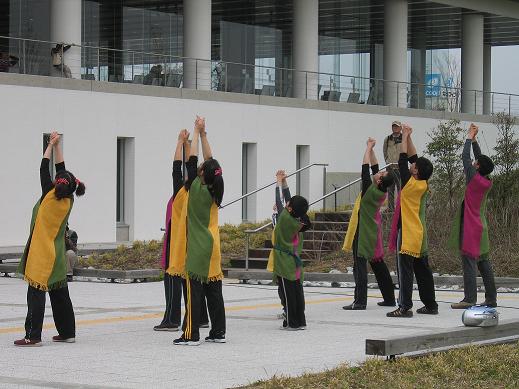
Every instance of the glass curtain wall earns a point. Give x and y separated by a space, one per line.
28 19
145 41
252 46
344 51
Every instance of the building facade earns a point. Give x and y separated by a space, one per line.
283 84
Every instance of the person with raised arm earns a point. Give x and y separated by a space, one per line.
470 229
174 244
409 231
364 234
203 272
43 264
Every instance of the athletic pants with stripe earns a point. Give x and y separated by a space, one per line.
173 286
194 294
294 302
62 312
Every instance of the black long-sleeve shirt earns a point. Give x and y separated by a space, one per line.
192 171
45 179
403 167
177 177
366 176
286 197
468 168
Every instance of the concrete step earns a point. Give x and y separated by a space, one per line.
315 244
333 216
329 226
305 254
324 235
254 263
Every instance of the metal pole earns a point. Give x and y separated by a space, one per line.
24 58
324 186
306 85
98 66
247 252
62 58
397 94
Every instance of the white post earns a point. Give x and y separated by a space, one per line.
197 44
487 79
395 53
472 63
306 46
65 26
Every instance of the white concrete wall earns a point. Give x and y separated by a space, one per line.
92 121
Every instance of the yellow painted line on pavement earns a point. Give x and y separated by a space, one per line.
119 319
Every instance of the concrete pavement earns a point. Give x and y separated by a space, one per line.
116 346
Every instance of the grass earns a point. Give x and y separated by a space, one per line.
147 254
468 367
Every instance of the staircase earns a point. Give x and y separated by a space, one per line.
326 236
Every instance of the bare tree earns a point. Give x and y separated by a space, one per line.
450 78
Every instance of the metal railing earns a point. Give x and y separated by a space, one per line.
31 56
248 233
324 165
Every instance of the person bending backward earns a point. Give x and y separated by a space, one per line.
470 231
203 270
364 235
409 231
285 261
174 245
43 264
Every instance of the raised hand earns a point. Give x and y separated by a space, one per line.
406 130
200 125
371 142
183 135
281 175
473 131
54 138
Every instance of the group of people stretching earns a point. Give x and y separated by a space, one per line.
191 255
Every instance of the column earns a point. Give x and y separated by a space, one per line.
395 53
487 79
305 48
472 63
197 44
65 26
418 58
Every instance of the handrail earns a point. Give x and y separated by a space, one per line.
256 66
248 233
272 183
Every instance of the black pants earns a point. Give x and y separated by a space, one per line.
469 279
173 294
407 265
384 281
62 312
294 302
194 292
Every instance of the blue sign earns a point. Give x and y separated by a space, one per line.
432 82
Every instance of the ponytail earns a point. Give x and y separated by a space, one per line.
80 190
214 180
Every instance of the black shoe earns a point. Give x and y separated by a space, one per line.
386 304
186 342
491 304
427 311
354 307
400 312
215 339
166 327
